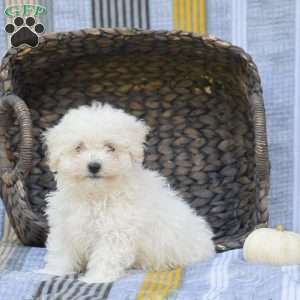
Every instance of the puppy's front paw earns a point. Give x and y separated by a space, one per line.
99 278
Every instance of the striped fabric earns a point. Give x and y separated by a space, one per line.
296 192
121 13
189 15
7 233
161 14
71 14
239 23
6 253
158 285
70 288
227 277
2 219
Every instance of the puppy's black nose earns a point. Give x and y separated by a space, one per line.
94 167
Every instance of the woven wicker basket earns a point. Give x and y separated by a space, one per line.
201 96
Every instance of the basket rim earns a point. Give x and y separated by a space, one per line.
126 33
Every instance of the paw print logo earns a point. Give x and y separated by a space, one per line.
24 32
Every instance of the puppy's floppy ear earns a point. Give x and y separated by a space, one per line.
136 147
51 139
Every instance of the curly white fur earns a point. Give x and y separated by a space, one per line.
123 217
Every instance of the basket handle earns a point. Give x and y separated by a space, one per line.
21 110
261 145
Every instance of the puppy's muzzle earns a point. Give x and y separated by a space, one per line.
94 168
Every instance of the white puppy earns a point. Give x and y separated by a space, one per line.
108 213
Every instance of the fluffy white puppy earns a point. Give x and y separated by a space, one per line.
109 213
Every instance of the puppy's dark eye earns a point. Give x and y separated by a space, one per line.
110 148
79 147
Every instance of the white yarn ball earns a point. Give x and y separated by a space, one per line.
272 246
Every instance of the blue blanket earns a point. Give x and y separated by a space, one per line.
226 277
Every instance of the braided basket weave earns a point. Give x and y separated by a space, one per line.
201 96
